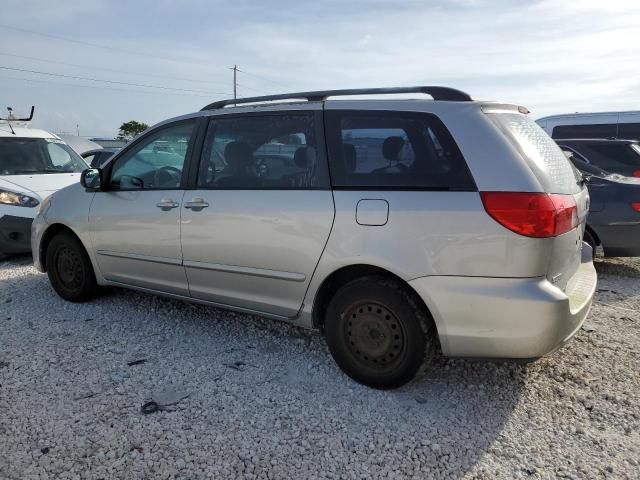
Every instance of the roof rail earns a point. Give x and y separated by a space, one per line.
438 93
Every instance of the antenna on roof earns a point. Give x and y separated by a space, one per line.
12 118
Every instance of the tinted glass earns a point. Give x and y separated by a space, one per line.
585 131
629 131
22 156
609 156
262 152
394 150
156 162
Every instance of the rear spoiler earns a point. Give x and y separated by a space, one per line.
504 108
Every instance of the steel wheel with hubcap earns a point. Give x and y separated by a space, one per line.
378 333
69 268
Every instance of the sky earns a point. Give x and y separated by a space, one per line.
156 59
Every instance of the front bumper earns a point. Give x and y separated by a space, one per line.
507 317
15 234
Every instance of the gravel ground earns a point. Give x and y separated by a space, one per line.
265 400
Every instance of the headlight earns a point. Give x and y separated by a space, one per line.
17 199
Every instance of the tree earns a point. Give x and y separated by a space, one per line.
131 129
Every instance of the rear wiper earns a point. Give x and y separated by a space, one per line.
584 179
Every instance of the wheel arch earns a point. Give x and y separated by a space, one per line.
51 231
596 238
343 275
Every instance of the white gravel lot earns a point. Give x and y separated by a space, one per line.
267 401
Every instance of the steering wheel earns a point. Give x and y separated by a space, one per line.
167 176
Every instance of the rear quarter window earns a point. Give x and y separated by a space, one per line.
394 150
545 158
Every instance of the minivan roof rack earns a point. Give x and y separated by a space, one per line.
437 93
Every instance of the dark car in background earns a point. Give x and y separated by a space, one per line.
615 156
614 211
98 157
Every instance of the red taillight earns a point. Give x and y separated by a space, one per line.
636 206
539 215
636 173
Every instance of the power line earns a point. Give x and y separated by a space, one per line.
131 52
102 87
80 42
106 69
108 81
267 79
248 88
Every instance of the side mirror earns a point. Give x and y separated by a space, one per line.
91 179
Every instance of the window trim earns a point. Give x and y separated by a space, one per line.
142 138
334 137
321 150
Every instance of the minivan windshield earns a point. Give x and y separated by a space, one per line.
554 171
28 156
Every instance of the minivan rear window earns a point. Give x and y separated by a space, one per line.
394 150
551 167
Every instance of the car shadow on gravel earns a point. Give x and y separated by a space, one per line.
446 421
623 267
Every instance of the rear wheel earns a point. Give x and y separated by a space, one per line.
377 332
69 269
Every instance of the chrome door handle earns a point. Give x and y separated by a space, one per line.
167 204
196 204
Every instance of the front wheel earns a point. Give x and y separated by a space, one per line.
378 333
69 269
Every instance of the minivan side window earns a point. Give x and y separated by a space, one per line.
379 149
270 151
156 162
604 130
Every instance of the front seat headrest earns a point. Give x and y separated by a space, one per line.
238 155
349 157
391 147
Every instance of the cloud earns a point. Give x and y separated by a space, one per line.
550 56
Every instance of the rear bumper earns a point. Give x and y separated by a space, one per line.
15 234
507 317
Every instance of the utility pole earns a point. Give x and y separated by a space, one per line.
235 81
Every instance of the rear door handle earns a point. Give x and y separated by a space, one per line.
196 204
167 204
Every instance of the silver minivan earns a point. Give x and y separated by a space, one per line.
393 226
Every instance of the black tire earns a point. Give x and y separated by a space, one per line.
378 333
69 268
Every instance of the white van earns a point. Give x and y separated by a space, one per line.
624 125
33 165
